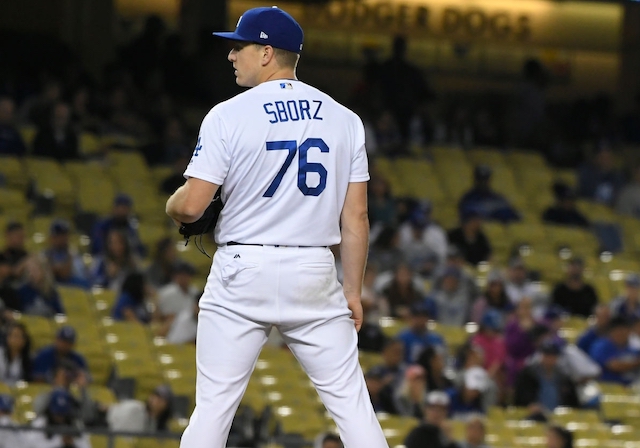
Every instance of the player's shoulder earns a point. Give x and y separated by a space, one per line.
333 103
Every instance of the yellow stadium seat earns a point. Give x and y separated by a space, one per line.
89 144
28 134
486 156
12 169
10 199
51 181
100 441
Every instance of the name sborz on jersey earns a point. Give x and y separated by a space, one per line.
293 110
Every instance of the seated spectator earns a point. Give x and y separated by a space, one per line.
420 236
184 327
629 198
467 398
483 199
517 335
38 295
176 179
417 336
600 180
453 302
382 206
9 297
11 143
8 437
543 383
475 433
59 412
46 361
393 365
618 361
121 219
467 277
179 294
494 299
57 138
172 145
491 340
470 239
110 269
401 293
628 305
559 437
379 385
599 328
15 247
433 432
411 394
328 440
564 211
15 355
433 360
371 337
159 271
67 266
518 285
132 302
385 250
574 295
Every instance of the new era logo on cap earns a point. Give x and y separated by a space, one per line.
263 35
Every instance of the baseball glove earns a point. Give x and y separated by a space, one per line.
207 221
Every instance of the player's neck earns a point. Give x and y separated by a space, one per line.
280 74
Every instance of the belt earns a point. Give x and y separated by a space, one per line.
234 243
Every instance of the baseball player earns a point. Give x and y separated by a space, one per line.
292 167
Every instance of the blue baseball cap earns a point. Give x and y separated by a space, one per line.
67 334
60 402
268 26
492 320
6 403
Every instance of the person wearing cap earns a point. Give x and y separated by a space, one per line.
274 265
434 431
38 294
455 259
483 199
60 411
453 300
9 438
490 339
468 397
559 437
619 362
179 294
574 295
418 336
628 304
121 219
9 297
602 317
600 180
151 415
543 383
494 298
48 358
564 211
470 239
419 235
518 286
67 266
15 249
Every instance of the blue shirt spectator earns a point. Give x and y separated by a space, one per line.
62 350
131 304
67 267
468 397
618 361
10 139
483 200
417 337
120 219
601 180
38 295
602 315
628 305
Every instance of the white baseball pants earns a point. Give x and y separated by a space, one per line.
249 290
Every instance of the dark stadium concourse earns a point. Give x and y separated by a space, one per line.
502 289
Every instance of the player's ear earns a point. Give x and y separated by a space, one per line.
268 53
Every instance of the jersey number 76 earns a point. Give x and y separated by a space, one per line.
304 167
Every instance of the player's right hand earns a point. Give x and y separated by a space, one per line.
356 312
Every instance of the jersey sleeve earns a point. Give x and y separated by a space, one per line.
211 157
359 162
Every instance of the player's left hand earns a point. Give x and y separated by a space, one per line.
356 312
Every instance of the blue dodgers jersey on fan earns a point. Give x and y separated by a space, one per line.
285 153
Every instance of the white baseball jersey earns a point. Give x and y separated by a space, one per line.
285 153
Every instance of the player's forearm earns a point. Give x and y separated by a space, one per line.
353 251
180 208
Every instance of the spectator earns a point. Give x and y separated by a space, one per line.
38 295
57 139
600 180
491 340
153 415
371 337
494 299
47 360
165 257
467 398
393 365
59 412
171 149
574 295
14 247
9 438
372 302
467 278
618 361
11 143
596 331
132 304
121 219
179 294
434 431
183 328
15 355
379 385
111 269
176 179
629 198
401 293
483 200
634 337
433 359
475 433
518 285
68 267
519 339
559 437
417 336
543 383
452 299
421 236
526 115
470 239
564 212
382 206
329 441
385 250
37 109
9 297
411 394
628 305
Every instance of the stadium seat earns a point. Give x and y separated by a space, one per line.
12 170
